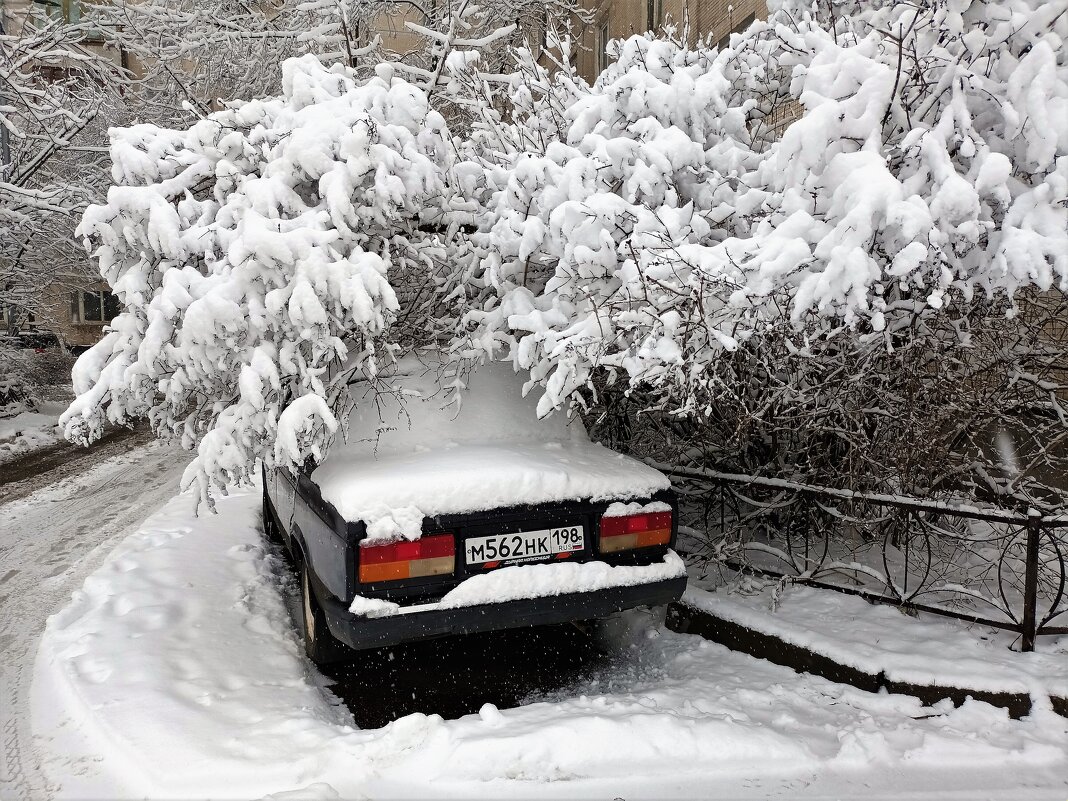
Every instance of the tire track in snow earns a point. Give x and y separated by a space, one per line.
50 540
24 475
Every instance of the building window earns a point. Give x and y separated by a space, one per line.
654 11
602 47
66 10
98 306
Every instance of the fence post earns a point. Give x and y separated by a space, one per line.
1030 611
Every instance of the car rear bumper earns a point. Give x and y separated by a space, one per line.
363 632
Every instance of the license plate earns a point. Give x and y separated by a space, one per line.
524 545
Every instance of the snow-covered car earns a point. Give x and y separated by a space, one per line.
434 518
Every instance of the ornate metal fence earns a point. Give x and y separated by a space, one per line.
988 566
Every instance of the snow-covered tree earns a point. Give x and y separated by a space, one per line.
254 253
668 235
55 93
924 165
200 52
52 91
789 300
278 247
185 56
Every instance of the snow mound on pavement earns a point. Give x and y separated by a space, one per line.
923 650
28 431
175 672
177 661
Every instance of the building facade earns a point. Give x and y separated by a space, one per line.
618 19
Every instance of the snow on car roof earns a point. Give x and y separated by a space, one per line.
410 453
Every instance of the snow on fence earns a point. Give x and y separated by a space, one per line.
988 566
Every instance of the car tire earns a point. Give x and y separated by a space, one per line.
319 644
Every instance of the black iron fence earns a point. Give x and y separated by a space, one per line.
987 566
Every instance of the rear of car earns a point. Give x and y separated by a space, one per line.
434 520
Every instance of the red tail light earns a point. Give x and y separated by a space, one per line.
429 556
625 532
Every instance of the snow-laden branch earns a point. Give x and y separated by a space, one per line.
255 257
808 251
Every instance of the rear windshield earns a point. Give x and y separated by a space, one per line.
419 411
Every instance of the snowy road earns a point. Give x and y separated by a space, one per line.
55 529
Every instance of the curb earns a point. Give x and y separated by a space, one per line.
688 620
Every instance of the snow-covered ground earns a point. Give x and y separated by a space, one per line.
28 431
921 649
175 672
51 538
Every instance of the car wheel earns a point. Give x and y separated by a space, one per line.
319 644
